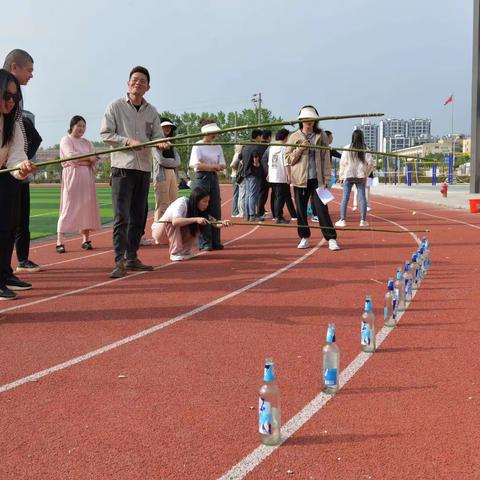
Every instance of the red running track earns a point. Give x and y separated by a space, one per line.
180 402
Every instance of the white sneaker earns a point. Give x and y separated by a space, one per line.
341 223
144 242
177 258
236 216
314 218
304 243
333 245
363 223
368 209
293 219
188 255
354 208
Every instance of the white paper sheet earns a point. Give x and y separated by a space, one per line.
324 195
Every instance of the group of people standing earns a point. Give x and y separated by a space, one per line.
130 121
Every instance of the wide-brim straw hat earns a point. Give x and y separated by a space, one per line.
210 128
308 113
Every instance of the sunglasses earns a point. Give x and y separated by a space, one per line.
11 96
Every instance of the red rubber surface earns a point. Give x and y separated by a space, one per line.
185 404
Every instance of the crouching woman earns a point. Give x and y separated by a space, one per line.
179 226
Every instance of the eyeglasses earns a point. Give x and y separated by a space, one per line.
11 96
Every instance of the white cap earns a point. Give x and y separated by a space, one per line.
210 128
308 113
167 123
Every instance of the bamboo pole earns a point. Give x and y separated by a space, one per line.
278 225
154 143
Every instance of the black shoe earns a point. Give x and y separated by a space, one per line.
282 221
14 283
7 294
137 265
27 266
219 246
87 245
60 248
206 248
119 271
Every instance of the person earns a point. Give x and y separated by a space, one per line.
181 222
207 161
355 167
20 64
250 157
367 194
129 121
12 155
182 185
310 169
264 184
79 210
165 171
279 178
237 180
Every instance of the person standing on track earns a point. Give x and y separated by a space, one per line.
79 209
129 121
20 64
355 167
207 161
183 220
12 154
310 168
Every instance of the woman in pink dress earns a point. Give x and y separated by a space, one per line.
78 203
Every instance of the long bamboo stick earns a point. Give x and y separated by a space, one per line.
278 225
154 143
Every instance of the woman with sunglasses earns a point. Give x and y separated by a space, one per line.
79 211
12 155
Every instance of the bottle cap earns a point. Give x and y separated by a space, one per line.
414 257
399 275
407 266
390 284
331 334
368 304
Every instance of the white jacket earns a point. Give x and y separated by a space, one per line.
352 167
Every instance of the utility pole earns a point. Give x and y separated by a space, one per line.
257 101
475 139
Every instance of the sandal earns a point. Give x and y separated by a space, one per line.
87 245
60 248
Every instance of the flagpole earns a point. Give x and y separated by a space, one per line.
453 139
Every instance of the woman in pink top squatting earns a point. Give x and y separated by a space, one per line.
78 203
184 217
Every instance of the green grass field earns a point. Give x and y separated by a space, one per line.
45 201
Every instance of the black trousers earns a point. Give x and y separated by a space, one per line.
22 235
281 197
302 195
129 196
209 235
262 197
9 219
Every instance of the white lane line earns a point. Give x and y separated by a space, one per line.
428 214
43 373
257 456
56 211
109 282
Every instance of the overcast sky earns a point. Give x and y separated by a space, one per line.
345 56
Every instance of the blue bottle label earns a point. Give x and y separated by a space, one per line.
330 377
366 334
264 417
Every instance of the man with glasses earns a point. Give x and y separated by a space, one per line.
20 64
129 121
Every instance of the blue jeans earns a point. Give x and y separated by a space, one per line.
235 187
252 194
347 188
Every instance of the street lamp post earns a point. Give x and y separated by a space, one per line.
475 138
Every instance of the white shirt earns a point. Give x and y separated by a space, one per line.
208 154
277 173
177 209
352 167
13 154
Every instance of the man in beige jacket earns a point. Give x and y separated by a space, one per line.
310 169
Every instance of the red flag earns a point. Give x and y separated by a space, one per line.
448 100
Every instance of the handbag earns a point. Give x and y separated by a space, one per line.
239 178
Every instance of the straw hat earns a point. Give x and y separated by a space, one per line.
308 113
210 128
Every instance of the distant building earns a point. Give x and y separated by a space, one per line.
395 134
